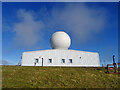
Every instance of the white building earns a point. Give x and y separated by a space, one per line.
60 55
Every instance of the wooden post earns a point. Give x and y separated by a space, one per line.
107 69
114 67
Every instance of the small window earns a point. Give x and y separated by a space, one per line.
63 60
70 60
36 60
50 60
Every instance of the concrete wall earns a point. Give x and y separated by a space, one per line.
79 58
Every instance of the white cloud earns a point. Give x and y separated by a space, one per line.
82 21
27 29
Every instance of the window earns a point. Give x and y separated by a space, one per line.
36 60
50 60
70 60
63 60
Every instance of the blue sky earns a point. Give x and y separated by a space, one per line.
28 26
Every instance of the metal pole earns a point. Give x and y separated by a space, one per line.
113 59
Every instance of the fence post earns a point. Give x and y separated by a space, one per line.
114 67
107 69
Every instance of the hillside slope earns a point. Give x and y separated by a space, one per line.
57 77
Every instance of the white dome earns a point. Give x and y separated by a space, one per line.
60 40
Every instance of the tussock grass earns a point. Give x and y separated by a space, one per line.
57 77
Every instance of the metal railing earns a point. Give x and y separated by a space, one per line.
114 68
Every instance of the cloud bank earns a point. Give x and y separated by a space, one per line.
83 22
6 62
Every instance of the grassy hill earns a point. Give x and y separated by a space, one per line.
57 77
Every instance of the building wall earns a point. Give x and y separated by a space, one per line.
79 58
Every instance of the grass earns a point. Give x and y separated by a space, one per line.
57 77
